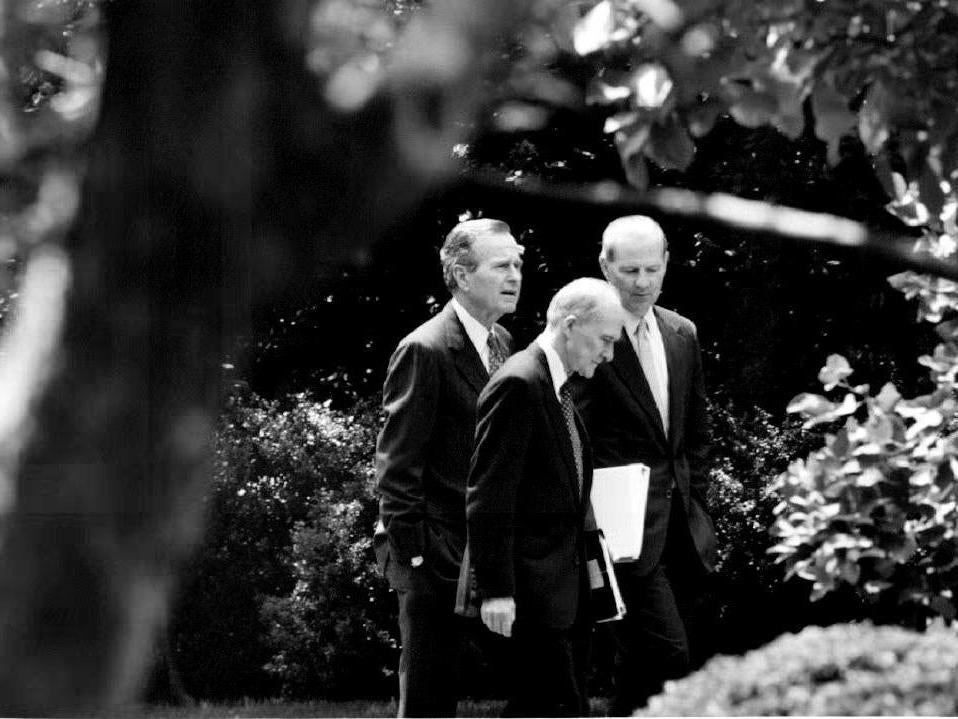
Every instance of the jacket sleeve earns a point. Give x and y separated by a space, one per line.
697 430
410 401
502 439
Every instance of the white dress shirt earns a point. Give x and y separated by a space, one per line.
556 369
477 333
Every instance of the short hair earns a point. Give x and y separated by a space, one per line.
583 298
631 226
458 246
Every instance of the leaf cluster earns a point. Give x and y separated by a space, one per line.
875 508
842 670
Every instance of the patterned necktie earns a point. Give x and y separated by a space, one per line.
652 371
568 413
496 354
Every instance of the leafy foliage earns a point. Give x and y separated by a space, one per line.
283 596
875 508
845 669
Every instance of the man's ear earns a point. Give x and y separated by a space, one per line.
604 266
462 276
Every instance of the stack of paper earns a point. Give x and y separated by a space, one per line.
619 496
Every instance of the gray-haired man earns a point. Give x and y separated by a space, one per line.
422 456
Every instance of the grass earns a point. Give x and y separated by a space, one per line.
277 708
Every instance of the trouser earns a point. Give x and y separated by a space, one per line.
652 640
432 636
550 669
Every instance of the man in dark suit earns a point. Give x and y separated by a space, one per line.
527 498
423 452
648 405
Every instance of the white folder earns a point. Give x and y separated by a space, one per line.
619 495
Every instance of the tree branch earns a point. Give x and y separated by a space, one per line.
755 217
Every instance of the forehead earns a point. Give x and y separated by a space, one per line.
495 246
638 249
607 321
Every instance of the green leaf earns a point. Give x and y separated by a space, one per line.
651 86
833 119
600 92
835 370
872 122
669 145
930 193
943 606
701 118
754 109
594 31
948 330
636 171
810 405
888 397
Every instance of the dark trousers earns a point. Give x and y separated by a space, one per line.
432 636
549 670
652 640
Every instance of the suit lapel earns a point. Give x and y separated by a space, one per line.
557 422
625 363
464 354
675 360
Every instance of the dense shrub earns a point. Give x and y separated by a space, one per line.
845 669
748 451
286 568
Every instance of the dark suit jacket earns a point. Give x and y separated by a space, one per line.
423 452
625 427
524 509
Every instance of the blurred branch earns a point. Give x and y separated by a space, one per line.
763 220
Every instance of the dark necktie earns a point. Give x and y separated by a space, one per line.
568 413
496 353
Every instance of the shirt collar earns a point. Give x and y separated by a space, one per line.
632 323
556 369
477 333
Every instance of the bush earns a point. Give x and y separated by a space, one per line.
748 451
283 590
846 669
874 510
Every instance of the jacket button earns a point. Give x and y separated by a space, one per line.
668 493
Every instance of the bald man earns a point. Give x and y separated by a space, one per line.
648 405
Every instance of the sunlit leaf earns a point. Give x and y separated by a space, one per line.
888 397
810 405
594 31
603 93
872 124
836 369
651 85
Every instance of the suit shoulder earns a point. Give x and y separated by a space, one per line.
430 335
679 322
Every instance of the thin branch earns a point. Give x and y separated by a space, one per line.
755 217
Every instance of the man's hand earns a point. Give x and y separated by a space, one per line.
498 614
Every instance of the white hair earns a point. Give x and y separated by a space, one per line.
584 298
